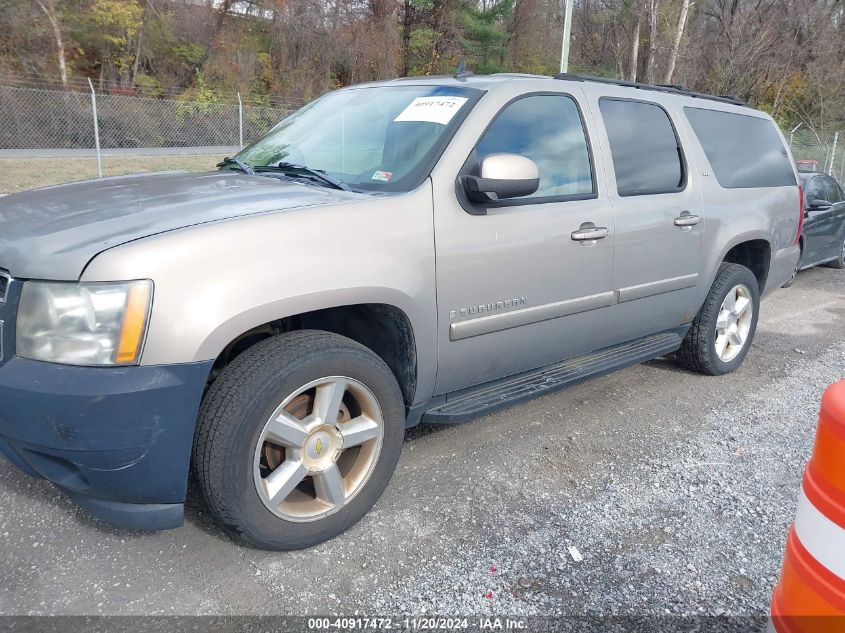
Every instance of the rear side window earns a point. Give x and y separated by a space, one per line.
647 157
744 151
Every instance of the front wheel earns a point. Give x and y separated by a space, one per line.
721 333
298 438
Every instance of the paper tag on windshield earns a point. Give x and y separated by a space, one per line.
383 176
432 109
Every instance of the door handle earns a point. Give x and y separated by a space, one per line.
687 219
589 232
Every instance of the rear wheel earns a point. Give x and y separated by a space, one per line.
721 333
298 438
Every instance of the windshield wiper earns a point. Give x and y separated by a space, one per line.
303 171
239 163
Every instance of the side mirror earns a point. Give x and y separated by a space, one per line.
819 205
503 176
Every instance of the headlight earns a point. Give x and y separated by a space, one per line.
83 323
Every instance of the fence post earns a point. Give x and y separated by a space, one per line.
833 154
842 169
96 130
240 122
792 134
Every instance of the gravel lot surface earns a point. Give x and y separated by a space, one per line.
649 491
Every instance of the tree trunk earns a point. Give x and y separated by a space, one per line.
652 41
138 50
222 12
676 45
635 42
49 10
439 11
407 24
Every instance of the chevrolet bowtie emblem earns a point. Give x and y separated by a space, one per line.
318 446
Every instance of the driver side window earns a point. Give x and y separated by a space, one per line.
815 190
548 130
831 191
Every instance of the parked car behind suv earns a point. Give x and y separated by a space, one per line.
427 249
823 236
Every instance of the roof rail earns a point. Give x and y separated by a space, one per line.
671 89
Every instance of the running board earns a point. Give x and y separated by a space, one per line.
464 405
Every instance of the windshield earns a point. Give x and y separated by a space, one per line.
382 138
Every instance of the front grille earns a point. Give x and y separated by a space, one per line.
4 285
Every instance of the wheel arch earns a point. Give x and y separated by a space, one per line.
382 326
754 251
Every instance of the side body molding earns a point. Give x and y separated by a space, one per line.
535 314
526 316
652 288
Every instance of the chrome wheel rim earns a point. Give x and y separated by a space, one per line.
734 323
318 449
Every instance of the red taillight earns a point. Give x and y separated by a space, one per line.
800 214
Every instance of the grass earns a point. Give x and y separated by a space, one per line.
28 173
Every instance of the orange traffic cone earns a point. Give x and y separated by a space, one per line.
811 594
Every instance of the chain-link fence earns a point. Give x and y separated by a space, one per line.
51 119
142 134
819 152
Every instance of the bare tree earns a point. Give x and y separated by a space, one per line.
653 36
221 12
676 45
635 40
787 57
49 9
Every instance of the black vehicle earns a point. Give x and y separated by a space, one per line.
823 238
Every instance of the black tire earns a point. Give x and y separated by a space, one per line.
839 263
698 350
239 403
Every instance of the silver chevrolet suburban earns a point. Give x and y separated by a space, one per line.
425 249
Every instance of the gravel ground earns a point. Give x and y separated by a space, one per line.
647 492
698 523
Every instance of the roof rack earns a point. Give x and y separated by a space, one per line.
671 89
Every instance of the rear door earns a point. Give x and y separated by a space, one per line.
658 218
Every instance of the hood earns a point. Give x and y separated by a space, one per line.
52 233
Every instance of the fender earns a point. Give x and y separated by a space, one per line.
216 281
256 316
748 236
712 267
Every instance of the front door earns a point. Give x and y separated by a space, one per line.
820 230
515 289
833 194
838 200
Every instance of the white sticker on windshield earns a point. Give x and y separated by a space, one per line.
432 109
383 176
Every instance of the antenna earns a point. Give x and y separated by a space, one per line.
461 71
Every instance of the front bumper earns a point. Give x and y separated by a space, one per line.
117 440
